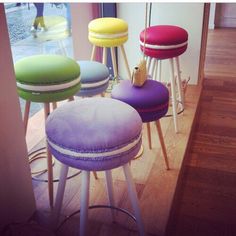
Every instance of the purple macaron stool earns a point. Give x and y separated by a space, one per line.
151 101
80 134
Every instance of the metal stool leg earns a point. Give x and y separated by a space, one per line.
173 94
126 60
60 194
163 147
49 161
110 192
179 83
84 202
134 199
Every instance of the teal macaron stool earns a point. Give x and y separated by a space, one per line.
46 79
94 78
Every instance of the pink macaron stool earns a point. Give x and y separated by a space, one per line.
166 42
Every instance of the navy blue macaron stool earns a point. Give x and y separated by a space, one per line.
95 148
94 78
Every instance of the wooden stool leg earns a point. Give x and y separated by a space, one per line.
173 94
71 98
60 194
49 161
114 64
163 147
104 56
93 53
95 175
54 105
84 202
134 199
179 83
26 115
126 60
149 135
110 192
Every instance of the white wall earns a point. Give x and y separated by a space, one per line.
186 15
17 202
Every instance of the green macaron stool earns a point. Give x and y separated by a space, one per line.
46 79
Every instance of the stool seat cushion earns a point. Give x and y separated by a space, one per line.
151 100
91 134
108 32
94 78
47 78
164 41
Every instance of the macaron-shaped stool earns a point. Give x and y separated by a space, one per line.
46 79
94 78
151 102
94 147
109 32
166 42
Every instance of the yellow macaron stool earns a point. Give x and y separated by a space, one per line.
109 32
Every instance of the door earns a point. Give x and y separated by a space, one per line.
225 15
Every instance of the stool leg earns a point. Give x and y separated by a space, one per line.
71 98
54 105
62 47
104 56
159 70
173 94
49 161
134 199
126 60
149 135
93 53
60 194
95 175
84 202
26 115
149 60
110 191
156 70
163 146
179 83
114 64
153 67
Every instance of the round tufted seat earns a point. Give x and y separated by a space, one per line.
89 127
108 32
164 41
47 78
151 102
94 78
98 138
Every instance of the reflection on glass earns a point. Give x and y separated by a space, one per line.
38 28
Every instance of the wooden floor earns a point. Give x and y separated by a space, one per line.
205 199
